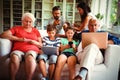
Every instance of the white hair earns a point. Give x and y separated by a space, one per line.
95 19
30 15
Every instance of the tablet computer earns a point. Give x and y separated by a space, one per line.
49 50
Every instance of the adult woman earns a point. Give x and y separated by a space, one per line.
86 15
26 42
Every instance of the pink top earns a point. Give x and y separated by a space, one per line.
25 46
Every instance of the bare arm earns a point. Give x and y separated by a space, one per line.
110 42
63 47
74 47
83 24
61 35
37 43
56 22
8 35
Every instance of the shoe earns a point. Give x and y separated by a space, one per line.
78 78
43 79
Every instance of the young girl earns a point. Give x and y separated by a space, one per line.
52 41
68 48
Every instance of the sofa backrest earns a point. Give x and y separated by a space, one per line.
43 33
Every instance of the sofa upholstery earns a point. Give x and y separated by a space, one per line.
110 68
105 71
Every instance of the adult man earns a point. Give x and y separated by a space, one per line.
57 20
91 54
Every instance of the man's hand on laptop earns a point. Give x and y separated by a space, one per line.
110 42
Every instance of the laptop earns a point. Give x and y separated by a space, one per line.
49 50
99 38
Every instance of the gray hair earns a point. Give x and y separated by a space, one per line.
30 15
95 19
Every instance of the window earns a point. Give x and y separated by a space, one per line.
114 12
109 9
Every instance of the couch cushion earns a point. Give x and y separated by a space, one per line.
5 47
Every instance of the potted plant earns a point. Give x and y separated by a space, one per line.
117 22
116 25
99 16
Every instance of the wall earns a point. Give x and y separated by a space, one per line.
1 16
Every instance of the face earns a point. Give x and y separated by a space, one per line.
56 14
70 33
27 22
80 10
93 26
51 33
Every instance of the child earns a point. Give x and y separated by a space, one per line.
68 48
49 40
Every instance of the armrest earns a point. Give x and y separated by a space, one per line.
112 56
5 47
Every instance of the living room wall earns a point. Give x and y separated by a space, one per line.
1 28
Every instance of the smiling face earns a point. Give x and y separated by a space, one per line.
69 33
93 25
27 22
51 31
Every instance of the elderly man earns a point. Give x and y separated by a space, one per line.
91 54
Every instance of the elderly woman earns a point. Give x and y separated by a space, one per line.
27 41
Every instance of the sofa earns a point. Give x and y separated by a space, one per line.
108 70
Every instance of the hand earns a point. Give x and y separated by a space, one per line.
40 52
56 22
27 40
76 28
110 42
32 41
57 51
73 46
76 25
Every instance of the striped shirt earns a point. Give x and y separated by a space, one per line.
48 42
